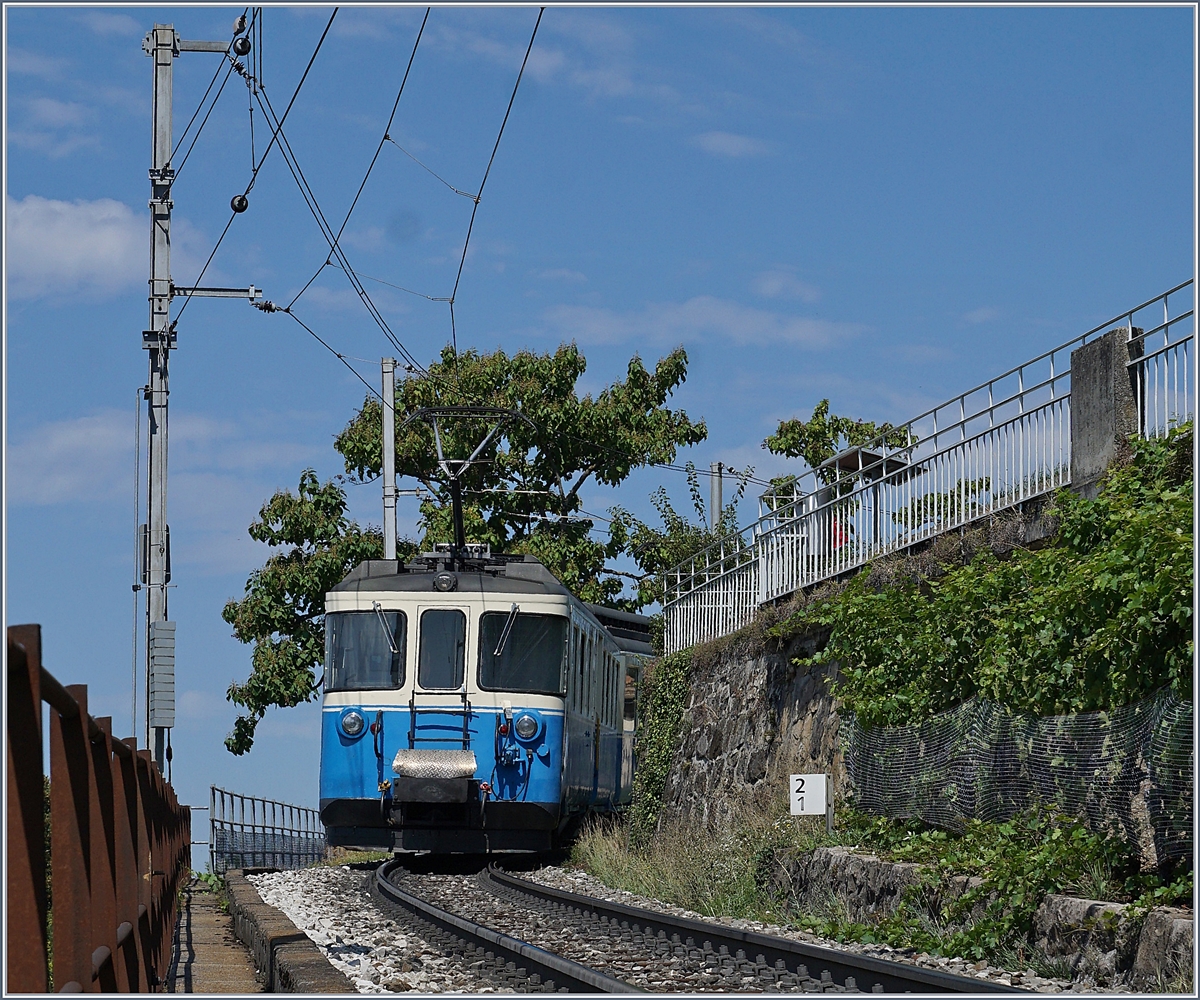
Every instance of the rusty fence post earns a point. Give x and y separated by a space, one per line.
129 892
26 884
71 791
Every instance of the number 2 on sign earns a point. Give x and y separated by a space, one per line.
808 794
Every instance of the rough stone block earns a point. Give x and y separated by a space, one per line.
1165 946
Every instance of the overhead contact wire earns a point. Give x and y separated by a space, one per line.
254 175
371 166
337 354
486 172
314 207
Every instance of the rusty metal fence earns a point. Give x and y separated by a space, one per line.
118 843
248 832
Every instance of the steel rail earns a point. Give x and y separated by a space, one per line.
535 961
861 972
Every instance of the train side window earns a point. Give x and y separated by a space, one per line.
359 648
591 682
586 665
443 643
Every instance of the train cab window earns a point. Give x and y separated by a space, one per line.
531 657
364 650
443 641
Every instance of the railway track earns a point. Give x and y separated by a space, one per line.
540 939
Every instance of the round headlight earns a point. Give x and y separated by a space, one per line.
526 727
445 582
352 723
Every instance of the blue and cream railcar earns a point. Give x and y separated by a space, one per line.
473 707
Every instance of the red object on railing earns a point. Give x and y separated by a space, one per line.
119 842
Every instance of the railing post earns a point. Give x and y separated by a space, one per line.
25 935
104 849
129 880
72 788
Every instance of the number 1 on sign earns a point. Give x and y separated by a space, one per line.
808 794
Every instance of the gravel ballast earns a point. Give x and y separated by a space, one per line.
574 880
335 909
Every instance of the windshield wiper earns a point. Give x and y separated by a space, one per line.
387 631
512 618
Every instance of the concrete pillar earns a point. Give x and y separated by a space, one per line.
1104 403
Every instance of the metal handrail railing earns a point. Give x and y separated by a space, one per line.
118 842
1000 443
274 834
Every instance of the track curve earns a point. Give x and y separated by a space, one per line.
528 967
778 965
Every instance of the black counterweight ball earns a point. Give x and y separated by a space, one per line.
241 46
239 203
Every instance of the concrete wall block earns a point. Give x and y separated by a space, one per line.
1103 406
285 956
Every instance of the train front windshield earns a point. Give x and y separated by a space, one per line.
531 658
364 650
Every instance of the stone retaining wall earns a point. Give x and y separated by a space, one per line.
288 961
750 720
1097 939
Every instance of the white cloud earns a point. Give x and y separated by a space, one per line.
702 317
780 283
984 314
69 460
200 705
98 246
113 24
28 63
93 248
50 113
53 146
562 274
731 145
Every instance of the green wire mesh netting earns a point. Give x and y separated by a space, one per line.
1126 772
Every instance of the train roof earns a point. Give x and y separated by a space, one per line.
492 574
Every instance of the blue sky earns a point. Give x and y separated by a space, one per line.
879 206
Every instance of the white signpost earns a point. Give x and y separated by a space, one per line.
811 796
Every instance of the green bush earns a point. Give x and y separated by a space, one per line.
1100 618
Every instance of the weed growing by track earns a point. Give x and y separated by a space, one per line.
743 874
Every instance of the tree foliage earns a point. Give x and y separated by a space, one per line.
655 550
1101 618
524 495
824 434
283 610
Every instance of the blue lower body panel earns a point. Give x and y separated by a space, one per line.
513 801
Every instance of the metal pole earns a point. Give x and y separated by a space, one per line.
715 505
389 458
161 45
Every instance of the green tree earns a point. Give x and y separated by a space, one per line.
823 435
283 610
655 550
523 498
524 495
